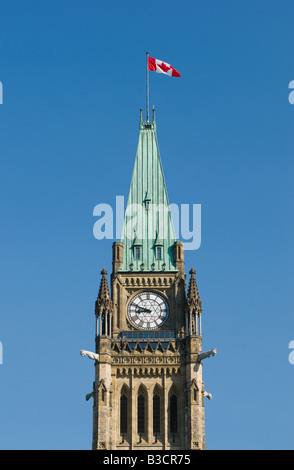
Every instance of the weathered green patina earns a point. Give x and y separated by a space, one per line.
148 235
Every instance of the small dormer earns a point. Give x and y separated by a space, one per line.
147 201
158 248
137 248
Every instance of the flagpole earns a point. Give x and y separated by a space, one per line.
147 55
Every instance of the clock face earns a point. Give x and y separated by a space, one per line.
148 311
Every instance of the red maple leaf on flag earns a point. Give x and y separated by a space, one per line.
164 66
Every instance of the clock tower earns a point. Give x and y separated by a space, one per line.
148 392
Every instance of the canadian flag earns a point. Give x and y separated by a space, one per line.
159 66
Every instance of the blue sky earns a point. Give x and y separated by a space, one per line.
73 76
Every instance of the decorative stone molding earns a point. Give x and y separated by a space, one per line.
148 371
139 281
164 360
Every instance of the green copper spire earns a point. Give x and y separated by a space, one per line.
148 234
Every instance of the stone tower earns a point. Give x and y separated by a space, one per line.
148 390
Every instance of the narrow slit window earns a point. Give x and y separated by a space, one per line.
141 414
156 414
123 414
195 394
173 415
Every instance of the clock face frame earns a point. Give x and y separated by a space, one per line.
148 311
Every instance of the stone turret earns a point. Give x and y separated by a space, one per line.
104 308
193 307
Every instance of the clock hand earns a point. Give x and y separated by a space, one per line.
141 309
